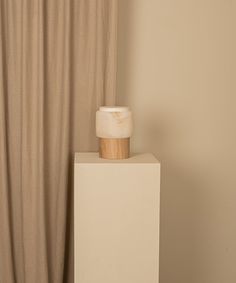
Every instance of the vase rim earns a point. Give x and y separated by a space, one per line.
114 108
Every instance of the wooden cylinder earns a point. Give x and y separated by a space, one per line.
114 148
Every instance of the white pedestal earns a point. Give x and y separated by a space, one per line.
116 219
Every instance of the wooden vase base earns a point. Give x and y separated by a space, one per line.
114 148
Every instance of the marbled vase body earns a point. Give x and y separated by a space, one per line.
114 128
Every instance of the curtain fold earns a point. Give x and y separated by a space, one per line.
57 66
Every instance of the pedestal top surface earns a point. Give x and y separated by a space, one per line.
93 157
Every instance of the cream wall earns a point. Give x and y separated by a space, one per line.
177 71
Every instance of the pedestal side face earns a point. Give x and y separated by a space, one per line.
117 222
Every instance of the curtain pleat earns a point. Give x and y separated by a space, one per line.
57 66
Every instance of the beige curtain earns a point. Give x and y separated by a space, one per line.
57 65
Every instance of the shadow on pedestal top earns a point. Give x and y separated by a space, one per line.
93 157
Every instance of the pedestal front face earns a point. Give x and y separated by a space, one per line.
116 219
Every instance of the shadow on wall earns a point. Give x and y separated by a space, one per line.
124 50
184 207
